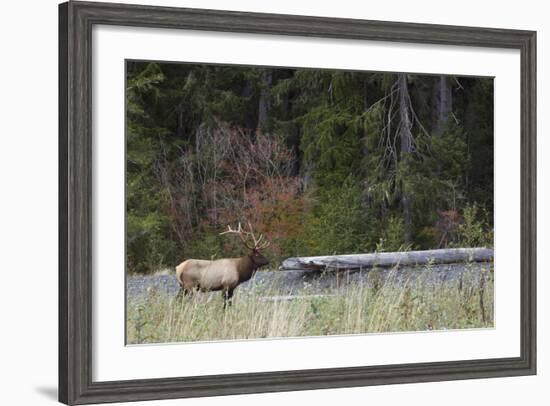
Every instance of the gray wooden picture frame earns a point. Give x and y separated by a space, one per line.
76 20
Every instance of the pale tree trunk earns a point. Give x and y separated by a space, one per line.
365 108
247 92
405 135
179 124
442 104
265 100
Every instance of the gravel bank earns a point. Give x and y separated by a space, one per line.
317 282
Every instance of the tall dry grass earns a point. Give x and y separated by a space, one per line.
384 302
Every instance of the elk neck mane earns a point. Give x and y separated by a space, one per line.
246 267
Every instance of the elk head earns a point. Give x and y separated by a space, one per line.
253 243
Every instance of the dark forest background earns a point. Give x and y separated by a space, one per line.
320 161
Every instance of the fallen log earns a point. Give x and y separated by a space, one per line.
388 259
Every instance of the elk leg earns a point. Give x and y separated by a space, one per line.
181 293
227 296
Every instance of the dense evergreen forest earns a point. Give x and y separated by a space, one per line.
320 161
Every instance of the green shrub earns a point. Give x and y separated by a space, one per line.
338 224
393 236
148 249
475 230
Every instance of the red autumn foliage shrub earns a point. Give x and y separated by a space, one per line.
231 175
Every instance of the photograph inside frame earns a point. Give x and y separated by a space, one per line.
271 202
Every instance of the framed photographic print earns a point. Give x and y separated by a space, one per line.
258 202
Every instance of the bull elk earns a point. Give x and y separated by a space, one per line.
223 274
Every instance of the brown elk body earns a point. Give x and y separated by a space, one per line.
222 274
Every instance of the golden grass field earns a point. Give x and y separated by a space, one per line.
384 302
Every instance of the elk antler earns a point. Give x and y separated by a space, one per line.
240 232
258 243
